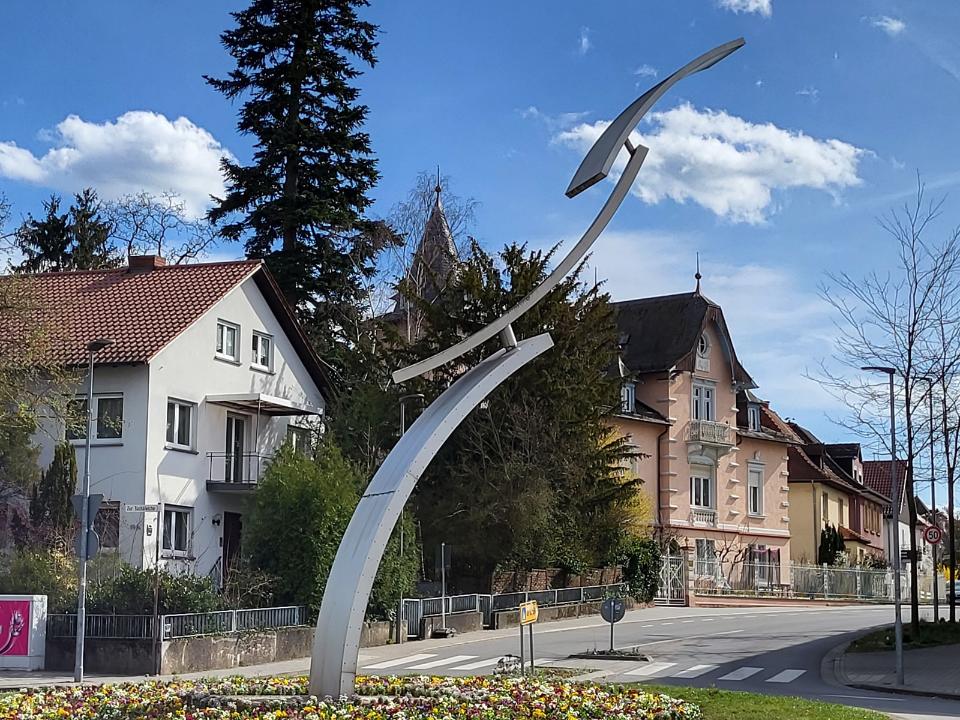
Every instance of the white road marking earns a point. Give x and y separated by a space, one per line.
665 624
646 626
400 661
729 632
684 622
741 673
651 669
478 664
443 661
786 676
695 671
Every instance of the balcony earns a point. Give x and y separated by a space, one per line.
709 433
703 517
235 472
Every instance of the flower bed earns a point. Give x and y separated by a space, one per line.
382 698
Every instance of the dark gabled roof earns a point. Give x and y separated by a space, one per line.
143 308
642 411
843 450
661 333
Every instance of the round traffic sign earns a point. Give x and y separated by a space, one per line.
933 534
612 610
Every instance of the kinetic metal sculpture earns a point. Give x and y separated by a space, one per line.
337 640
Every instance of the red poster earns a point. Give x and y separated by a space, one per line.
14 627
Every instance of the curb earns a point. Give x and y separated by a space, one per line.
833 672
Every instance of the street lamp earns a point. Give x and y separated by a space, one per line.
403 428
895 540
933 503
93 347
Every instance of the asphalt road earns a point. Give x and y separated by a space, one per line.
765 650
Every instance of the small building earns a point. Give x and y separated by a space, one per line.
207 375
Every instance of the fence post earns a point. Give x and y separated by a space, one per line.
859 584
233 621
826 583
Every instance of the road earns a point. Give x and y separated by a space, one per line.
767 650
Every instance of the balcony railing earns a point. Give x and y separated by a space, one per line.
712 433
704 516
235 471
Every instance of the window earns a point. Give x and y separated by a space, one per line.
228 336
703 346
753 417
180 424
706 558
262 351
701 492
108 416
825 509
176 530
840 505
628 398
107 525
703 407
299 439
755 491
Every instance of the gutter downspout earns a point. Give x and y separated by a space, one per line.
659 463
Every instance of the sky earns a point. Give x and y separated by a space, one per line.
774 165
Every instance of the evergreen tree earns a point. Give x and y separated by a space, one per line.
530 479
18 455
50 506
78 239
300 202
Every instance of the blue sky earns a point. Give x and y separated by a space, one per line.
773 165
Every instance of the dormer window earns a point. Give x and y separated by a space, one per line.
703 353
628 398
753 417
228 337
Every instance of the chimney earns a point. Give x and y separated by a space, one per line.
144 263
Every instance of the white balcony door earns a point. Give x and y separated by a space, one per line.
236 438
703 404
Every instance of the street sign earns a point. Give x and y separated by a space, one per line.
93 543
933 534
141 508
529 612
613 609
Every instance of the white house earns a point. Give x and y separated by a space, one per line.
207 375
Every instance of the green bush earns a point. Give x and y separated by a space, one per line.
131 592
641 568
42 572
398 573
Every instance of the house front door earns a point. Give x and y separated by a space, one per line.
236 434
232 531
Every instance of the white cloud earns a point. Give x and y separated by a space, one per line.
554 123
809 92
727 164
761 7
891 26
138 151
645 71
583 43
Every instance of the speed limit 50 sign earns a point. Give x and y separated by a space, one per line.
933 534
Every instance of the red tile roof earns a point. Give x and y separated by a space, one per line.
876 476
141 311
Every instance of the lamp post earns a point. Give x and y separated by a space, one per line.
403 429
93 347
895 539
933 503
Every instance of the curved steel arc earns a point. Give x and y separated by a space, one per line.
595 166
337 640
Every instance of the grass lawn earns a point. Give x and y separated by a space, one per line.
727 705
942 633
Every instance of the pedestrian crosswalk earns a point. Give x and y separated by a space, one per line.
475 664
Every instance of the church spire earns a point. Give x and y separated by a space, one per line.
698 276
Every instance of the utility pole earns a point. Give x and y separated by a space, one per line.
403 428
93 348
895 541
933 503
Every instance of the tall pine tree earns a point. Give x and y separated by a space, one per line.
50 505
78 239
300 202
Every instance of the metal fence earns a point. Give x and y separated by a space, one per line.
414 609
143 627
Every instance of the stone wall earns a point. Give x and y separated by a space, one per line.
461 622
509 581
511 618
198 654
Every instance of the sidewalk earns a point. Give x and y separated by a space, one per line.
931 671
